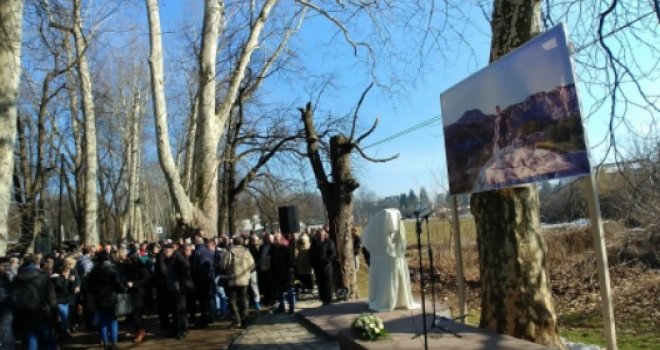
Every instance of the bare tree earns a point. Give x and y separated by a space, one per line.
11 15
338 194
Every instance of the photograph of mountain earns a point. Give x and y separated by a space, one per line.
516 121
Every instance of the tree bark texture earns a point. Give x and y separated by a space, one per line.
516 298
133 154
77 199
208 131
11 16
90 151
344 185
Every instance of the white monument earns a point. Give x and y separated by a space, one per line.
389 279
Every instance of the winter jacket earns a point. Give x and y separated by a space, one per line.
242 265
202 265
281 266
138 273
104 284
64 288
303 263
323 254
264 257
254 250
31 277
6 332
175 271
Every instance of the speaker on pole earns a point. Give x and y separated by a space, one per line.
289 219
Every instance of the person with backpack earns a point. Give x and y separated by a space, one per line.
241 265
34 306
104 284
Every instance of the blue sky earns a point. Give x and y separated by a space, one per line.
421 153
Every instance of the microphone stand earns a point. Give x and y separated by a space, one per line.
432 269
435 322
422 283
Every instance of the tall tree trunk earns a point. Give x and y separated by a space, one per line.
90 152
232 194
516 298
187 214
133 154
190 148
208 131
78 191
342 219
11 16
24 194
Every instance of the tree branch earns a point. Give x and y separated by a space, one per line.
338 24
357 110
373 127
374 160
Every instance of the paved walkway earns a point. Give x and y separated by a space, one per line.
283 332
266 331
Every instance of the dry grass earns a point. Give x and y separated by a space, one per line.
634 272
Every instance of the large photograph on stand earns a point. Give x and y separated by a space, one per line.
516 121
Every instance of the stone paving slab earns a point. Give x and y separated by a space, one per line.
283 332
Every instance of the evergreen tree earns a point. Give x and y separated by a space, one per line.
413 202
424 200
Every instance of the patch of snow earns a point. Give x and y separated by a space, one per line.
579 346
579 223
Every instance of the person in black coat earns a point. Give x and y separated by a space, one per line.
6 332
177 282
203 274
158 282
281 270
263 270
35 306
138 277
64 282
322 256
104 284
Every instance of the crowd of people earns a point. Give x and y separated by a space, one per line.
191 282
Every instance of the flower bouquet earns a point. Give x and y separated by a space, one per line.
369 327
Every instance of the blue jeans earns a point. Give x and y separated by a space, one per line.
107 322
63 312
221 305
290 297
44 332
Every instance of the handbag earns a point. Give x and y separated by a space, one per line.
124 304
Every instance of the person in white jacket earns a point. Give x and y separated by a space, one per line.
389 279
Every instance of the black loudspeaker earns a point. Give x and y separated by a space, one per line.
289 219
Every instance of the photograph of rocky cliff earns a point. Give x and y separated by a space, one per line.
539 138
517 120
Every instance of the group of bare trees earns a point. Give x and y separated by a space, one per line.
79 117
